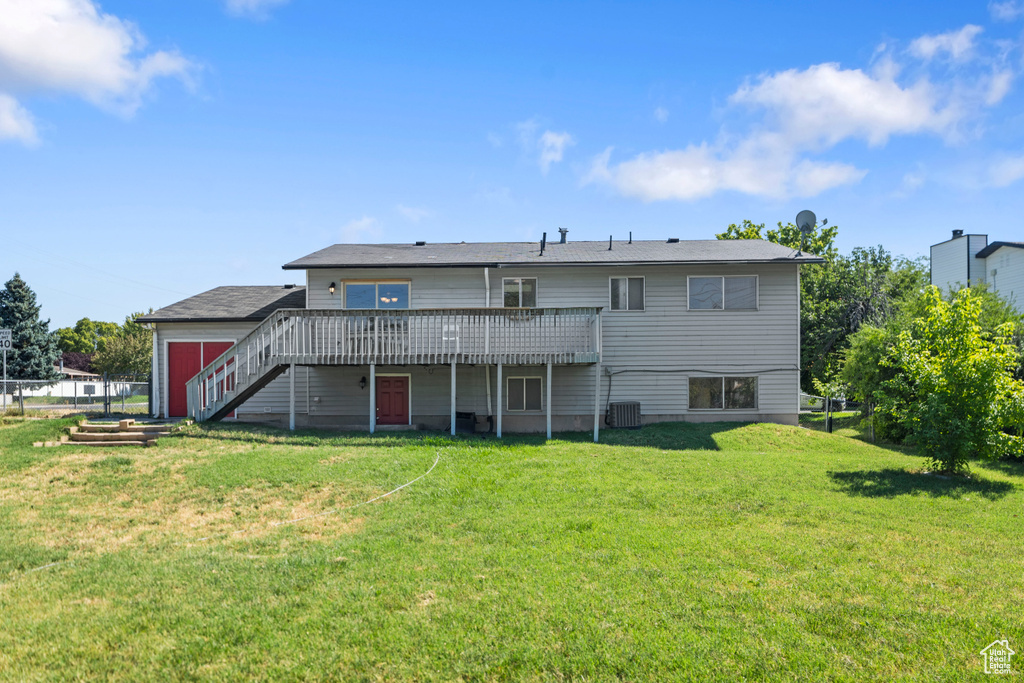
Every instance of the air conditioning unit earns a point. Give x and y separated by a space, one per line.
624 414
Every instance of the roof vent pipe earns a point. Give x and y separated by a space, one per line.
609 242
958 233
563 232
631 237
543 243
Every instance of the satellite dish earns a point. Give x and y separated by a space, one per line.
806 220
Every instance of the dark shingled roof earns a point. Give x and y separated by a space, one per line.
991 249
495 254
230 304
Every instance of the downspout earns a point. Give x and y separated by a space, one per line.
487 336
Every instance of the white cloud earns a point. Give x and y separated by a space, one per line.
71 46
549 146
755 167
495 140
958 44
825 104
252 9
912 181
552 147
15 122
661 114
1006 171
794 116
1006 11
412 213
998 86
361 230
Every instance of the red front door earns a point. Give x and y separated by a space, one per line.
184 360
392 400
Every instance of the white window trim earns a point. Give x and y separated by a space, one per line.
344 292
536 290
757 295
723 409
508 395
627 278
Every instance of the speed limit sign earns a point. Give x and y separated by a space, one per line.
5 340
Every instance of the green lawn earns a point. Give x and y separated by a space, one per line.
677 552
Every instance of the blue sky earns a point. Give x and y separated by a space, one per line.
153 150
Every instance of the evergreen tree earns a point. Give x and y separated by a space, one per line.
35 348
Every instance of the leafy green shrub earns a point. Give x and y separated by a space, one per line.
952 393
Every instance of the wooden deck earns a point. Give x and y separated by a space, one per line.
487 336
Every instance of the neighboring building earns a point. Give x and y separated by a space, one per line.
526 338
966 260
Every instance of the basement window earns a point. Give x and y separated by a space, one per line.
723 393
520 292
626 293
524 393
718 293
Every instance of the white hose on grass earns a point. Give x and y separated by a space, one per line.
277 524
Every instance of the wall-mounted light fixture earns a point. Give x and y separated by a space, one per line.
362 382
331 287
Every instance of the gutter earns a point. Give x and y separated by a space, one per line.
557 264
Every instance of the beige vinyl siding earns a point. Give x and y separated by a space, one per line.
274 395
651 353
665 336
431 287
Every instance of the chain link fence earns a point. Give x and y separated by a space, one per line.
838 416
120 395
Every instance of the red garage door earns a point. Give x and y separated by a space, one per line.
184 360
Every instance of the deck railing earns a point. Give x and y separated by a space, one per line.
396 337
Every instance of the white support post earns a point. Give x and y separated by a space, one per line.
548 406
291 397
597 399
373 397
155 369
453 398
499 406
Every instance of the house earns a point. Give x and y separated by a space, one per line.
966 260
528 337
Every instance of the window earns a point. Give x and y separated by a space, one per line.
377 295
524 393
627 293
717 293
520 292
718 393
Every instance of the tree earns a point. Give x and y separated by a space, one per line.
821 241
953 388
86 336
129 352
863 371
839 296
35 347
